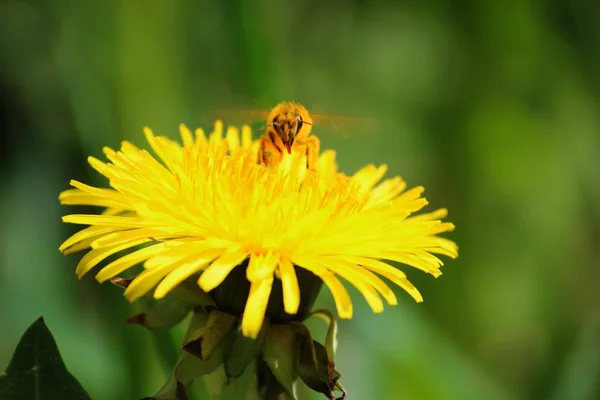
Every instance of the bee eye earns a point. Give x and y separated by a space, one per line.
299 119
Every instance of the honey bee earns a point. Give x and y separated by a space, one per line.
288 129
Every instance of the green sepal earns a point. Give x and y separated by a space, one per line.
187 291
161 315
246 383
172 390
244 350
167 312
274 390
281 353
331 337
189 367
37 371
202 341
324 380
322 377
308 355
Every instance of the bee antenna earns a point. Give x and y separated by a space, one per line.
262 128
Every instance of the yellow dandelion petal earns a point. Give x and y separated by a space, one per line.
159 146
201 141
339 293
389 272
261 266
290 287
442 246
128 147
123 237
413 205
184 271
80 246
217 133
121 163
368 176
233 139
370 295
94 257
77 197
220 268
426 265
186 135
312 264
435 215
387 191
103 220
98 165
113 211
368 292
155 272
178 250
246 137
88 195
441 228
353 273
87 233
254 313
124 263
326 164
146 281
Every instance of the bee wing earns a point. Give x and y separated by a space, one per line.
240 115
345 126
337 125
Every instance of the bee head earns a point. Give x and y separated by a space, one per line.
289 120
286 123
287 128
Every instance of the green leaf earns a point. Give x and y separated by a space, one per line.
331 339
165 313
282 353
203 340
161 315
244 351
37 371
246 383
187 370
319 376
172 390
190 367
308 354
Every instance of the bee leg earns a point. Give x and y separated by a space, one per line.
263 155
313 146
267 152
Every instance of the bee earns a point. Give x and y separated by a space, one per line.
288 129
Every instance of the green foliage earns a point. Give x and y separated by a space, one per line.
243 351
281 354
37 371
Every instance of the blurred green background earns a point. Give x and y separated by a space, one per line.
493 106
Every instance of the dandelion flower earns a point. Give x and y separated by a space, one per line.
205 210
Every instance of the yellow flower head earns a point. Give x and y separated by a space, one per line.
205 207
